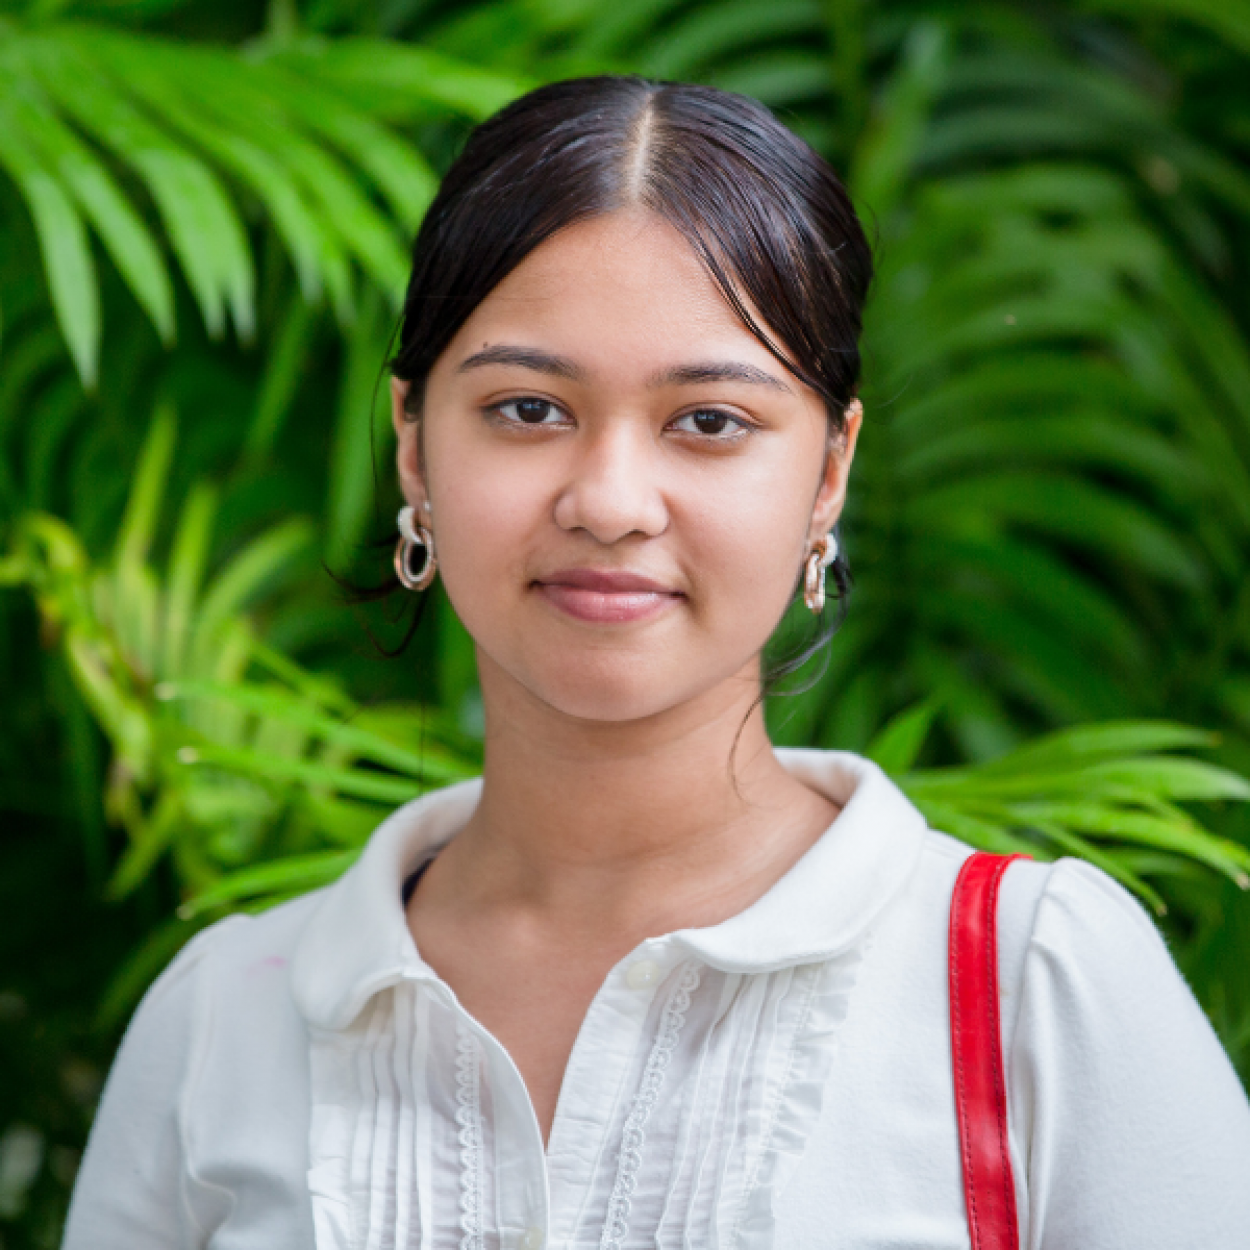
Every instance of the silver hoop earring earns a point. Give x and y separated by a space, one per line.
412 537
823 553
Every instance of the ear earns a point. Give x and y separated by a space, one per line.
831 496
408 447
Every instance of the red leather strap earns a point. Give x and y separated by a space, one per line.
977 1053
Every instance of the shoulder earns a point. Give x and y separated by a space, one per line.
1066 905
1133 1122
1065 924
1082 906
241 960
1084 961
1071 927
239 941
209 1081
1021 891
1097 964
218 1039
1107 1044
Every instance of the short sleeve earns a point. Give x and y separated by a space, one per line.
1135 1128
130 1193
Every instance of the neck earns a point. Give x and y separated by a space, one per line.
656 823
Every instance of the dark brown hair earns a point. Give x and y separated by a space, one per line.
765 213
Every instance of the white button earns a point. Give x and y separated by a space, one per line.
533 1239
643 975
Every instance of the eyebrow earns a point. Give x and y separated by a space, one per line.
718 371
524 358
678 375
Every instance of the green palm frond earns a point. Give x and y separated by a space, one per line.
1103 793
1230 19
155 146
225 753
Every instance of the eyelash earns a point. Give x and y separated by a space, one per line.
496 411
744 428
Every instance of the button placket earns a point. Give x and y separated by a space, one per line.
522 1200
605 1053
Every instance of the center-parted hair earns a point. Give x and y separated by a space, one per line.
765 213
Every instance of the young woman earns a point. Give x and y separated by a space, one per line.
649 982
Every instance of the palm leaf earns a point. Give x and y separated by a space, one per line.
63 240
307 132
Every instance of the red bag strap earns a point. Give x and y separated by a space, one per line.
977 1054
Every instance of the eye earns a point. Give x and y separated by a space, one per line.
529 411
711 423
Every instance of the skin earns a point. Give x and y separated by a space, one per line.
609 811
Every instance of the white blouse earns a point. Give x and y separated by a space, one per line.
301 1080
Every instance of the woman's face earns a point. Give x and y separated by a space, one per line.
622 480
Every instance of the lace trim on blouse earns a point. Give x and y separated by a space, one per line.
469 1119
616 1226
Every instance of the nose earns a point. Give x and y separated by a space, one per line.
613 486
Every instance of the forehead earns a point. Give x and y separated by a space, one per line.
625 284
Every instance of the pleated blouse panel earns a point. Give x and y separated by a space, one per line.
420 1139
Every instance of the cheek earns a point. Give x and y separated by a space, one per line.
746 543
486 511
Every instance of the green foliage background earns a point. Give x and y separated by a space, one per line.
204 217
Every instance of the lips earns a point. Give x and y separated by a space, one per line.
606 596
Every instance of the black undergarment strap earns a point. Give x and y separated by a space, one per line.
410 881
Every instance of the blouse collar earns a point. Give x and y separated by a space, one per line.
357 942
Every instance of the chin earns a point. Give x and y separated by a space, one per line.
611 689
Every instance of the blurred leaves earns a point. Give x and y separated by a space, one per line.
110 133
224 753
1097 792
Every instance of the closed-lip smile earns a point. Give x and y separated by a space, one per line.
605 596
